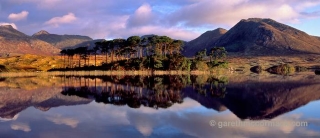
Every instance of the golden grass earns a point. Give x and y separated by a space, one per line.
31 62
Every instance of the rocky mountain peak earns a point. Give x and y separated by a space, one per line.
7 26
221 30
42 32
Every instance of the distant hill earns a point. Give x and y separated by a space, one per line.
205 40
256 36
61 41
90 44
14 42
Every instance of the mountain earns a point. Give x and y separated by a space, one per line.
205 40
256 36
90 44
61 41
14 42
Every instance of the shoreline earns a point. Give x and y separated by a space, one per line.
104 73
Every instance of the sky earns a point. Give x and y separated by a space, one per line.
178 19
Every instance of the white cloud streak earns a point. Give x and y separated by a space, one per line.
63 120
214 12
56 21
18 16
21 126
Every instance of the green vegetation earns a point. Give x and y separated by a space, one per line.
217 57
149 53
283 69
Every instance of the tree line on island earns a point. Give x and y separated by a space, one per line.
140 53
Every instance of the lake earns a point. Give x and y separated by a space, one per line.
160 106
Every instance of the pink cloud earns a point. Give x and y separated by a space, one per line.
69 18
18 16
214 12
21 126
43 4
141 17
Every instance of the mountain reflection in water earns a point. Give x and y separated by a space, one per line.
248 100
252 99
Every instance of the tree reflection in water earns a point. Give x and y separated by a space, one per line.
215 87
134 91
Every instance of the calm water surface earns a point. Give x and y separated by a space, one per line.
160 106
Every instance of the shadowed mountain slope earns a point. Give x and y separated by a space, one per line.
14 42
256 36
61 41
205 40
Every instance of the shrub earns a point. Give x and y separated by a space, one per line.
282 69
200 65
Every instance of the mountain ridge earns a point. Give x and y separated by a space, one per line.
13 41
61 41
203 41
255 36
258 36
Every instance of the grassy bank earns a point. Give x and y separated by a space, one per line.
33 65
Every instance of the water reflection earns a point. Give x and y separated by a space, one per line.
247 100
172 106
152 91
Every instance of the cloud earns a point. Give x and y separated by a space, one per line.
21 126
66 121
144 129
18 16
306 4
180 19
69 18
43 4
142 16
214 12
12 24
173 32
